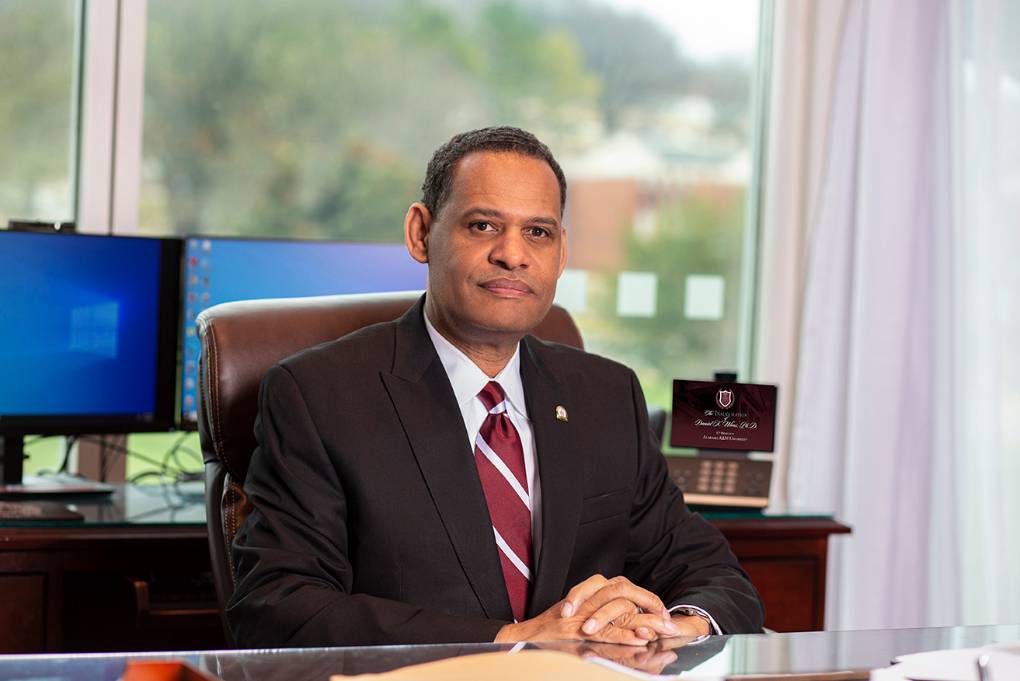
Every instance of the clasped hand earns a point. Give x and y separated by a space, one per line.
608 611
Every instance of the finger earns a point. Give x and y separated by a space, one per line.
621 655
618 635
570 628
621 587
646 633
580 593
671 643
641 656
621 613
648 661
655 663
661 628
595 649
612 610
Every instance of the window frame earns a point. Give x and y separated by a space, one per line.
110 105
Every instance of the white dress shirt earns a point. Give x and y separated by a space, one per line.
467 381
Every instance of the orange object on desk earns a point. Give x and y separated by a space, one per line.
169 670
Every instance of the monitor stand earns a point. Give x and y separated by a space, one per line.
12 459
14 484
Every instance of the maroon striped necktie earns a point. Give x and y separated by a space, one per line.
500 460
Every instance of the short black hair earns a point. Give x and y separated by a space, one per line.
439 175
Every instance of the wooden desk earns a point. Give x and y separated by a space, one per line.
136 575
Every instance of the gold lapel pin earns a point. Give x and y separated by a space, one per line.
561 413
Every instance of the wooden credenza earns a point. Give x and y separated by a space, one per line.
136 575
785 557
106 589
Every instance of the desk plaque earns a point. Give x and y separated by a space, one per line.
720 415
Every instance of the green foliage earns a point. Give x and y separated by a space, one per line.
43 455
531 61
316 119
36 78
635 59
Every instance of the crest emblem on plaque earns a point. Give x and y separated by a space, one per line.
724 398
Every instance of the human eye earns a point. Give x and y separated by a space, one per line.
481 226
538 232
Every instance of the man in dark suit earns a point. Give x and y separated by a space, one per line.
446 477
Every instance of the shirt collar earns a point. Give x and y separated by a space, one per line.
468 380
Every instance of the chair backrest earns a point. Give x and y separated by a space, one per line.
240 341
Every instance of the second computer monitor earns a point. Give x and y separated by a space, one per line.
220 270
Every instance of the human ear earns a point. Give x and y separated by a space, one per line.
417 226
563 251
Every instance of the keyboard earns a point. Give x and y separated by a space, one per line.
36 510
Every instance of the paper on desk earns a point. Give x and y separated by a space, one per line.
954 665
534 665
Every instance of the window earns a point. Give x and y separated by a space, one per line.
315 119
38 127
38 121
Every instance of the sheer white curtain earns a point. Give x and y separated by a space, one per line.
907 362
982 457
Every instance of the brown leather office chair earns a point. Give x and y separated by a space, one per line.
240 342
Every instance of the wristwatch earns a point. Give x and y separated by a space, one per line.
691 612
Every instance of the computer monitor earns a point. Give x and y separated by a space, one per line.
88 336
219 270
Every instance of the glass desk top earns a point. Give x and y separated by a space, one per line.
718 656
178 504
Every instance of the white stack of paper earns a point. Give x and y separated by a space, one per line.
1003 664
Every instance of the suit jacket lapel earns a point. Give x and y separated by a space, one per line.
425 403
560 467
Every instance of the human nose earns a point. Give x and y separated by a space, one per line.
510 250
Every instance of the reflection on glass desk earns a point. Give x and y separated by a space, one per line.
179 504
722 656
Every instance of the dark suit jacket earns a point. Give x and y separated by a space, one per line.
370 525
